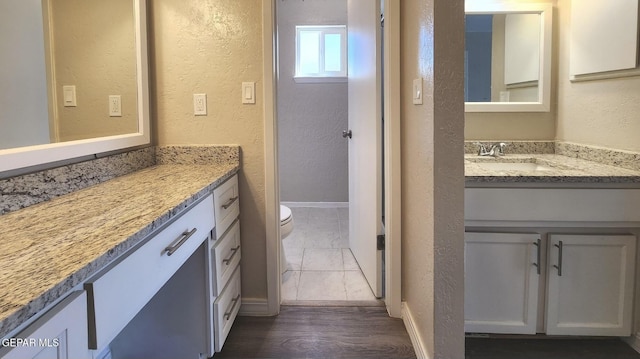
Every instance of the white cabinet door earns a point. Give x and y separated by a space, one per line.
61 333
590 284
501 282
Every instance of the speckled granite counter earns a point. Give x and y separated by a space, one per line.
552 169
49 248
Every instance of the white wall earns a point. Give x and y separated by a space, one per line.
24 119
313 156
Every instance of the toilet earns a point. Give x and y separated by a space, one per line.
286 226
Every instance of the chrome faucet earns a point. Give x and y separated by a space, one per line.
496 149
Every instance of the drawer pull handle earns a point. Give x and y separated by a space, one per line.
173 247
537 263
235 300
234 250
559 266
229 202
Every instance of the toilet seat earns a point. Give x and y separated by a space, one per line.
285 215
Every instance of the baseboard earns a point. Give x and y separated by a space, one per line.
254 307
634 342
317 204
414 334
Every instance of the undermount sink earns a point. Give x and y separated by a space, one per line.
513 166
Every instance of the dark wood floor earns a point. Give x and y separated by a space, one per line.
319 332
483 348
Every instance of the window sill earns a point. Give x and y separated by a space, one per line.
314 80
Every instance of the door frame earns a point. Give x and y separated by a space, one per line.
392 157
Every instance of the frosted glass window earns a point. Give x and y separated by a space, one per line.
321 51
332 52
309 52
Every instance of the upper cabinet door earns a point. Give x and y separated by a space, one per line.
604 36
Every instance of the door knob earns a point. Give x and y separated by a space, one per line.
346 133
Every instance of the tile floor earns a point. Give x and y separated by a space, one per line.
320 265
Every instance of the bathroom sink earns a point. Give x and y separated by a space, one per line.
513 166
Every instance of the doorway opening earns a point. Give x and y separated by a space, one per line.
317 262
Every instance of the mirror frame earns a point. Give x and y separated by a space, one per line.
544 83
28 156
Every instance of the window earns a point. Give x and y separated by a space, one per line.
321 52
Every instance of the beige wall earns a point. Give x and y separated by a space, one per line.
94 49
211 46
515 126
432 179
603 112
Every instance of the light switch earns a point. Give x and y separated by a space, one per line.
200 104
248 92
69 94
417 91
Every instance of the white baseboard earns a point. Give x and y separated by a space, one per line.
414 334
634 342
317 204
254 307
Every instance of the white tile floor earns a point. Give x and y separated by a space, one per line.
320 265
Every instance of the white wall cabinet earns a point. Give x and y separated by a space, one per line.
501 282
590 284
61 333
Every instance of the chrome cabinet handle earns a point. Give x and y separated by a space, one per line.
559 266
234 250
173 247
347 133
229 202
537 263
235 300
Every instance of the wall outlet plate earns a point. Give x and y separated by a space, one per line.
200 104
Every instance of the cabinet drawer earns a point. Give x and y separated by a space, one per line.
60 333
227 202
118 293
226 253
225 309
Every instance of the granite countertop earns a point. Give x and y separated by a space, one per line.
551 169
49 248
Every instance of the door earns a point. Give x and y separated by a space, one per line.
591 282
365 145
501 282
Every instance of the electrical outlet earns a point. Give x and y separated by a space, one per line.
115 106
200 104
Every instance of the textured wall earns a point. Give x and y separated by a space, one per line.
313 156
94 49
515 126
602 112
433 180
211 46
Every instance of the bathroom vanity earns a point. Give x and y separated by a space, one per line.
550 246
144 265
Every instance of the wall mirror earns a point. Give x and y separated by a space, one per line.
507 57
75 79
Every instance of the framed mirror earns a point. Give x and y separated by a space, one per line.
75 79
507 57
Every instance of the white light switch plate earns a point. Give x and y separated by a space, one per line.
69 93
200 104
417 91
248 92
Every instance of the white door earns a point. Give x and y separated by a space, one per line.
365 145
591 283
501 282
